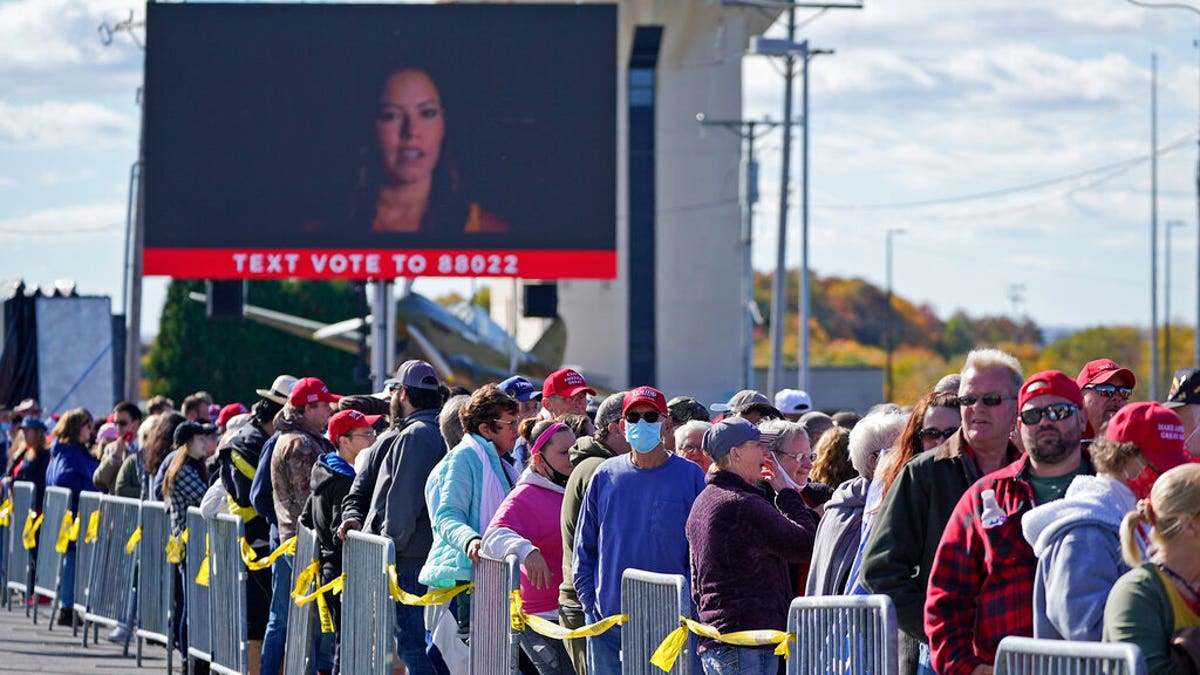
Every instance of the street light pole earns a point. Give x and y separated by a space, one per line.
779 283
1154 393
890 318
1170 225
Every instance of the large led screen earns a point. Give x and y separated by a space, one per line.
378 141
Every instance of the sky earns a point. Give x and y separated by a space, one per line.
1008 140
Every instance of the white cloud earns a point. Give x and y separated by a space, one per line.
41 35
58 123
81 220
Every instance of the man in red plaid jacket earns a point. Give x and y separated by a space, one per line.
981 583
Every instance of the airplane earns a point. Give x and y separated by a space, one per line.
460 341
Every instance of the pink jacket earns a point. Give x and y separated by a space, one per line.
528 518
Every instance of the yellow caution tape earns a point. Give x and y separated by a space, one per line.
93 528
64 533
202 574
133 540
251 558
334 587
305 578
6 512
664 657
439 597
324 613
73 535
521 621
29 534
175 548
246 513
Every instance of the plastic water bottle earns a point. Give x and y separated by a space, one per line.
992 515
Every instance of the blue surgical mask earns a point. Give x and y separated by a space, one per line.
643 436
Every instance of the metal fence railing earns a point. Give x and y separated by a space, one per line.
843 634
654 603
494 644
85 549
299 650
110 588
199 635
20 559
155 581
227 595
6 527
368 611
1027 656
56 513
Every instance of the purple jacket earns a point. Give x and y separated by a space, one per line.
741 546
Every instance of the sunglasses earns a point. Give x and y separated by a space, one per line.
990 400
650 416
1053 412
1111 391
511 424
931 433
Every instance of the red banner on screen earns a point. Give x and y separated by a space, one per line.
329 263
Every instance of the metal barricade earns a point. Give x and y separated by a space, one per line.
227 595
199 635
109 591
299 656
20 568
368 611
494 644
5 536
1027 656
47 573
654 602
155 581
85 551
843 634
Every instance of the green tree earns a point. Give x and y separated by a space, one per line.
232 357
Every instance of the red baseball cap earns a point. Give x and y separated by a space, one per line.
565 382
311 390
644 395
346 421
1155 429
1052 382
1101 371
229 412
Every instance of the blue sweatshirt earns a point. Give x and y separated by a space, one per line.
262 495
635 518
71 467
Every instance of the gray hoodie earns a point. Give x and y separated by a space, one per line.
837 539
1077 543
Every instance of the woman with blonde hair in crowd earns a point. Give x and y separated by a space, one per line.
1157 598
832 465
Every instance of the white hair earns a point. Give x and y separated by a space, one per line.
994 359
781 430
873 433
692 426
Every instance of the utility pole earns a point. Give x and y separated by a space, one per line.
1016 295
779 283
748 131
1154 392
891 317
1170 225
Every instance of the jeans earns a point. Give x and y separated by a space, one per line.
410 628
546 654
66 585
604 650
281 597
731 660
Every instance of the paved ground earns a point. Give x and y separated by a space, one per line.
26 648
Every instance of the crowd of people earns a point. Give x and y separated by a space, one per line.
998 504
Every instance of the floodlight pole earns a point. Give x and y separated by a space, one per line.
747 130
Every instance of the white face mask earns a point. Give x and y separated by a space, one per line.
786 478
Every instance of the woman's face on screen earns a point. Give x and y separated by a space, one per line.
409 127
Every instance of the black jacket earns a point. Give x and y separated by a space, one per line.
238 464
330 481
34 471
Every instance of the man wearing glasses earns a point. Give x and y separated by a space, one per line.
1106 387
981 584
564 393
127 417
904 537
633 515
